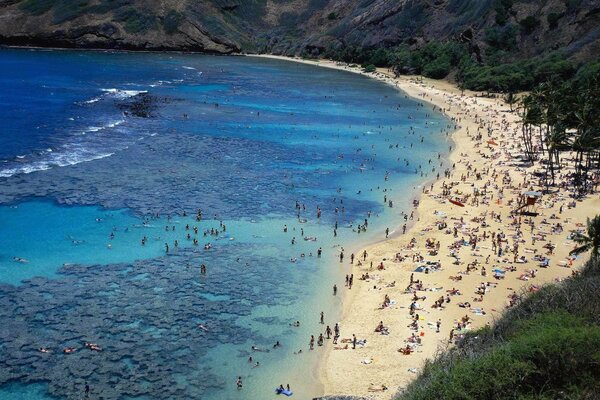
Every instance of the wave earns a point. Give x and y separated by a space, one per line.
57 160
123 94
92 129
114 92
65 155
186 67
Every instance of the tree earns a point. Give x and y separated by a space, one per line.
591 241
510 99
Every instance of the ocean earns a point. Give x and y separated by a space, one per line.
122 173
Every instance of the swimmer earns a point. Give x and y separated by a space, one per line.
21 260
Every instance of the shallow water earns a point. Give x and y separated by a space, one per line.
94 144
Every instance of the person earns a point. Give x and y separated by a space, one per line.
334 290
353 341
238 382
322 317
87 390
277 344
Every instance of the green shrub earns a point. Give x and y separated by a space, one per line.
529 24
135 21
552 19
438 68
67 10
504 38
172 21
369 68
36 7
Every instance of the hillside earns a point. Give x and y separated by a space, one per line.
517 28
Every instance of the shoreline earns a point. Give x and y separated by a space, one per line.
358 372
349 297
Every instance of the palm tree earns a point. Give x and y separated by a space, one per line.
556 140
511 99
591 241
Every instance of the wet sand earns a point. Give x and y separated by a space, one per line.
486 143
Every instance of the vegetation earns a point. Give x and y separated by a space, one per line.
135 21
589 241
546 347
172 21
561 116
439 59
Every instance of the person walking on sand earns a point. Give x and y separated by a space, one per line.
322 317
353 341
311 344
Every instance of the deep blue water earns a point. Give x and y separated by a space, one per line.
100 150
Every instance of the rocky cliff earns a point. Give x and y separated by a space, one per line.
308 27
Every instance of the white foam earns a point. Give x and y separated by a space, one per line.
123 94
186 67
91 129
95 99
59 160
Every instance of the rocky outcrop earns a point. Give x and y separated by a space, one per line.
307 27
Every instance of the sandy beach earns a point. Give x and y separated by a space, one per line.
475 260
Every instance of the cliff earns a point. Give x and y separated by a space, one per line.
307 27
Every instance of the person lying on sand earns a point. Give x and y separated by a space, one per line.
373 388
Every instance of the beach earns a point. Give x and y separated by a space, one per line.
475 258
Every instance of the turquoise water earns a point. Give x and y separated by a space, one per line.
112 148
